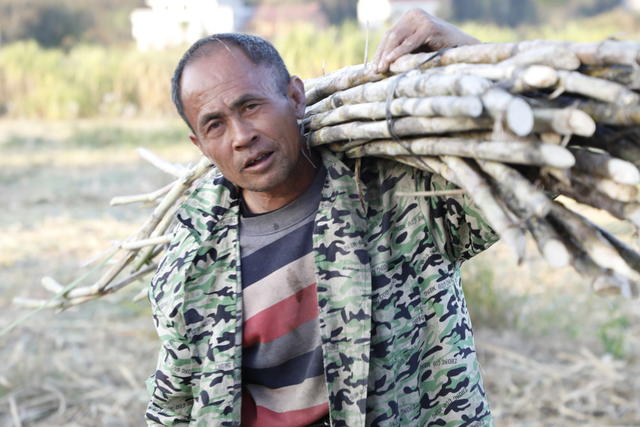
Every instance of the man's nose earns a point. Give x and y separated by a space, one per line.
244 133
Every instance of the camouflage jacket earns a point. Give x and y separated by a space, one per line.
397 341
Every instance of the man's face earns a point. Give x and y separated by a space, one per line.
244 123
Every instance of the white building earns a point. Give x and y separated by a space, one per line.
375 13
175 22
632 5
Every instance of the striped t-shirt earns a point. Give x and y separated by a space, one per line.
282 370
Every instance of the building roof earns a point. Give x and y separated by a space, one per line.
268 20
294 12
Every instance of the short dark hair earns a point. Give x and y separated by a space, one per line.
258 50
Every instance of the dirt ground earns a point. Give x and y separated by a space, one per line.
552 352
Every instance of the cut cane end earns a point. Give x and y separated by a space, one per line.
556 254
520 117
624 172
557 156
581 123
540 76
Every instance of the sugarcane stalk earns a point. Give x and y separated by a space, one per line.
51 285
534 201
564 121
480 192
142 198
406 126
533 77
341 80
522 79
549 243
596 246
607 52
368 92
561 175
604 53
556 56
486 53
156 217
608 187
176 192
412 85
174 169
132 278
507 151
445 106
609 113
630 255
592 197
501 105
153 241
617 145
602 164
603 281
599 89
146 253
551 246
36 303
626 75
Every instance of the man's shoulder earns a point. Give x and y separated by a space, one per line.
200 215
371 170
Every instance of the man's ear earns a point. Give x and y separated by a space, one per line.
296 95
194 139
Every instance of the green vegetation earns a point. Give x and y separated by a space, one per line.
614 335
87 81
309 54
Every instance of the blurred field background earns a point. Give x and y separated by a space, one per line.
72 111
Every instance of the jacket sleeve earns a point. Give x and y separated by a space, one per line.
170 386
457 224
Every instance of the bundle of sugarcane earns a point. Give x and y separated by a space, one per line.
508 124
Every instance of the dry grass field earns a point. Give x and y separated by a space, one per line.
553 353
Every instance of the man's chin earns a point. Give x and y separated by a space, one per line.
259 187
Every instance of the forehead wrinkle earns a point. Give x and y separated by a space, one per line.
200 79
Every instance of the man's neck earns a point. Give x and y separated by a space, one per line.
258 202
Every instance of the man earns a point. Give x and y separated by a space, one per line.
283 300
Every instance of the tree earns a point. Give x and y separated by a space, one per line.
55 23
56 26
339 11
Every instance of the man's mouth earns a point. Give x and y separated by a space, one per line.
257 160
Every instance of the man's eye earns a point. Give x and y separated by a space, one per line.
214 126
250 107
